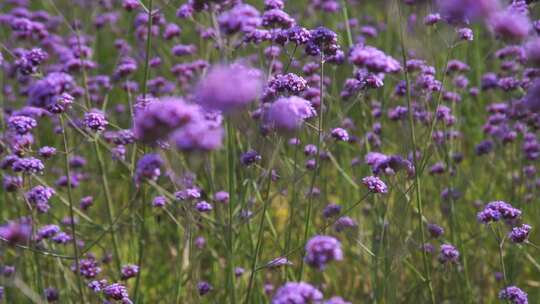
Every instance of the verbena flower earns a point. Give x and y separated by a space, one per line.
298 293
228 88
514 295
321 250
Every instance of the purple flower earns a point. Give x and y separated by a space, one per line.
188 194
28 165
373 59
277 18
47 152
21 124
250 157
532 51
288 113
161 117
159 201
221 197
331 210
51 294
88 268
299 35
47 231
520 234
16 232
514 295
204 288
448 254
203 206
278 262
435 230
459 11
116 291
431 19
129 271
240 18
465 34
11 183
289 82
48 92
148 167
374 184
321 249
228 88
345 222
39 196
62 238
336 300
95 120
340 134
510 25
298 293
497 210
202 134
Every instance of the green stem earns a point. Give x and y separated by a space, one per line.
418 192
71 212
317 164
231 292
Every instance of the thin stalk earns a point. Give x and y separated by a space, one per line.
231 292
317 164
71 212
108 201
418 192
142 231
266 202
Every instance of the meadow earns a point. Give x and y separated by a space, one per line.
276 151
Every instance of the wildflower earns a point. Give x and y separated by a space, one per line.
497 210
289 113
345 222
51 294
21 124
204 288
228 88
297 292
39 196
203 206
321 250
116 291
331 210
159 201
340 134
278 262
47 231
95 120
250 157
336 300
435 230
221 197
520 234
129 271
16 232
148 167
163 116
514 295
375 184
28 165
88 268
448 254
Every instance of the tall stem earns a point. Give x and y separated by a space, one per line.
317 164
231 292
418 192
71 212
